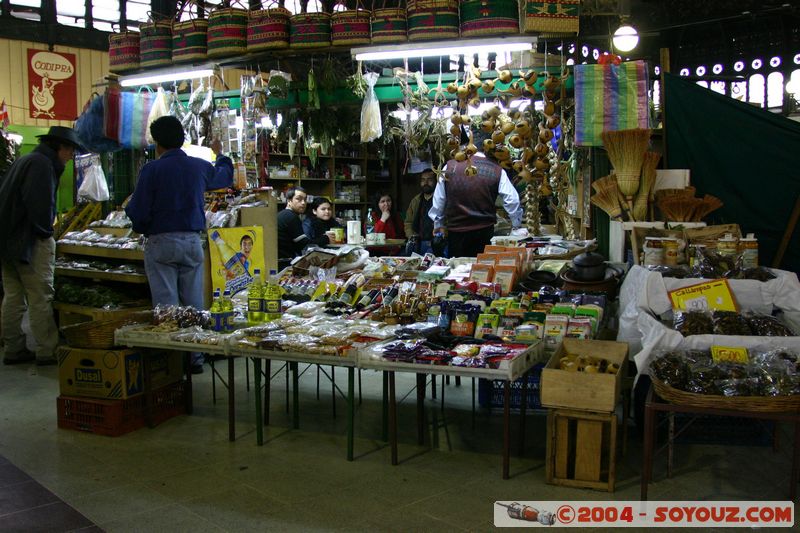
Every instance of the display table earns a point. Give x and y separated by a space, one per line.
509 371
656 404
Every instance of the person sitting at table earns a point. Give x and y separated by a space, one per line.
291 239
384 218
318 225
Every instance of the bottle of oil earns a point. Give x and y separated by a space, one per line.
255 299
227 310
272 298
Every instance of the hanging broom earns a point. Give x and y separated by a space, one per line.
606 196
651 160
709 203
626 149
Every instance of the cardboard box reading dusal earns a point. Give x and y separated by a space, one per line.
114 374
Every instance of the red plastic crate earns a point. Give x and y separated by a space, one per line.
117 417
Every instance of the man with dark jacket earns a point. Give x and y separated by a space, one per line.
418 225
291 238
167 207
27 247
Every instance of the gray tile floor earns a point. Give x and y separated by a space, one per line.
185 475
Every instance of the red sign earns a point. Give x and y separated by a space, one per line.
52 85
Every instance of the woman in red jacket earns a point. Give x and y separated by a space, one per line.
385 219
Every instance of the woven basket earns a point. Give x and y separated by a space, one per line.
268 29
432 19
350 27
190 40
99 334
552 16
123 51
310 30
758 404
156 37
489 17
227 32
389 25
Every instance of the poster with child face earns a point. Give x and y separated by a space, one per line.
236 253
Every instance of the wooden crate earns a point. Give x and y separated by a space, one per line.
581 449
579 390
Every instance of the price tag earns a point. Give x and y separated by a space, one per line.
728 354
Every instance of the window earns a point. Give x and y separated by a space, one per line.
718 87
190 11
775 90
314 6
702 84
756 89
136 10
26 9
739 90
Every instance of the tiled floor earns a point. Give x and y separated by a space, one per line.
186 476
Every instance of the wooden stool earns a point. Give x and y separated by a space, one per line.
581 449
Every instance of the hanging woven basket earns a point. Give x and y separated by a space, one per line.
432 20
227 32
310 30
552 17
350 27
123 51
389 25
268 29
480 18
156 43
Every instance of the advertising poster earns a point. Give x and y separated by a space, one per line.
235 254
52 85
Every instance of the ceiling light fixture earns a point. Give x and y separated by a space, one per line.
625 38
445 48
165 76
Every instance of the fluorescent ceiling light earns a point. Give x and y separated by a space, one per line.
148 79
445 48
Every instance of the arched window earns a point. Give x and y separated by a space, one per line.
755 86
718 87
739 90
657 94
314 6
775 90
702 84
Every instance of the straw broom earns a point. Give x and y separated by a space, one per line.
709 203
626 149
651 160
606 196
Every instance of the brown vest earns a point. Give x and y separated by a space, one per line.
471 199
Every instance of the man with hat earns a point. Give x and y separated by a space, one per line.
27 247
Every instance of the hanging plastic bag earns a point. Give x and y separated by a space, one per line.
371 111
160 108
93 186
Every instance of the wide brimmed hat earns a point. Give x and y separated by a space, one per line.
63 133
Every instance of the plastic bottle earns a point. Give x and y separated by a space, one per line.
217 316
233 260
255 299
749 248
227 310
272 298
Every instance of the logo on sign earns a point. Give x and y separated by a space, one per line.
51 80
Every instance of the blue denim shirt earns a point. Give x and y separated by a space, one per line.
169 193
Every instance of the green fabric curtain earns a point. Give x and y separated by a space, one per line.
744 155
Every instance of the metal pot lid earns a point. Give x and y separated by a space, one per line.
589 259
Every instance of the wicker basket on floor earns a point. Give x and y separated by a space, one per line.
758 404
99 334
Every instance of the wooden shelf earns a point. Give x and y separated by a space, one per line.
95 251
97 313
125 277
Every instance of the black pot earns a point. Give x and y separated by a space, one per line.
589 266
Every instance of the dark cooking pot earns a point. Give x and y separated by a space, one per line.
589 266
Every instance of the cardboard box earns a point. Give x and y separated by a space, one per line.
579 390
114 374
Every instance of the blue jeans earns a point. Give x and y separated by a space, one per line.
174 266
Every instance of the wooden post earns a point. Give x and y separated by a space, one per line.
664 60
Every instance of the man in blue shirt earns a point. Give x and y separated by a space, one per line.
167 207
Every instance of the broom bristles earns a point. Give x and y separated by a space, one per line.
708 204
645 193
606 196
626 149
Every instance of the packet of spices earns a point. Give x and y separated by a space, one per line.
508 326
486 325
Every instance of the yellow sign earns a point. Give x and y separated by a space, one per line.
713 295
727 354
235 255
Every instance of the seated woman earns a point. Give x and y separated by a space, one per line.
384 218
320 222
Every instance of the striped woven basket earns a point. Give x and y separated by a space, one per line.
268 29
310 30
156 43
350 27
189 40
389 25
432 19
489 17
123 51
552 16
227 32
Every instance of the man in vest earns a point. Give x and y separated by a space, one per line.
468 205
